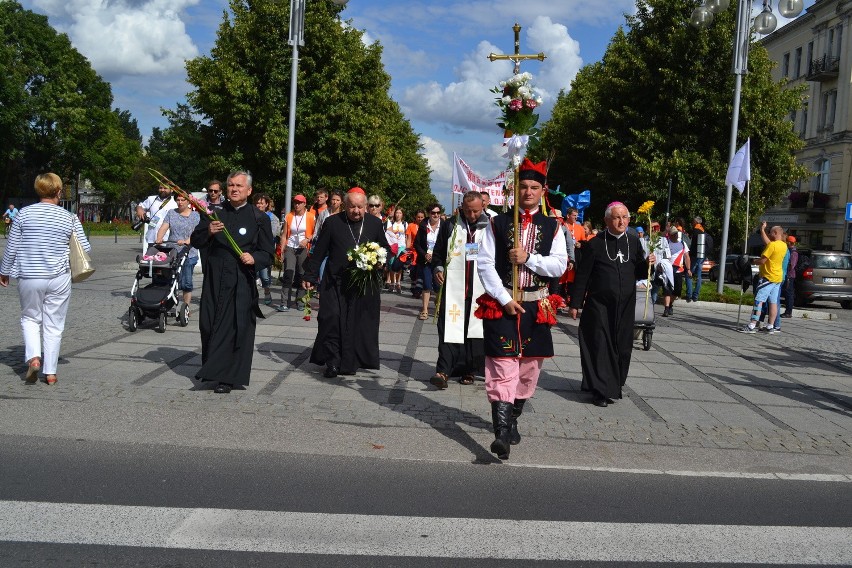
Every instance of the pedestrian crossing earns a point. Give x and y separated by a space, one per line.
412 536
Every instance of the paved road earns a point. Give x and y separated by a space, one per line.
705 403
144 505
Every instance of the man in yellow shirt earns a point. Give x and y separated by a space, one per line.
771 263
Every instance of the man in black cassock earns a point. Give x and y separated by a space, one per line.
229 310
460 347
605 288
347 323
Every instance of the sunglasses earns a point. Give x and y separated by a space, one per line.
375 204
214 191
434 212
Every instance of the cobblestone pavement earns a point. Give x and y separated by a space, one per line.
701 385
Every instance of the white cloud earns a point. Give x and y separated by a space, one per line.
133 37
438 159
468 102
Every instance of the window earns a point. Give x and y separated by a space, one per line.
797 63
793 118
785 65
829 48
810 52
828 110
823 172
804 126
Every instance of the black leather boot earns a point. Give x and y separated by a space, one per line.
501 414
517 410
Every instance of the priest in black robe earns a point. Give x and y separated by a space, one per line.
461 352
229 310
347 322
605 289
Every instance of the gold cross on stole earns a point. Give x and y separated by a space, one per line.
454 312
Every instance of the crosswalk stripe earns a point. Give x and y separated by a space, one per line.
383 535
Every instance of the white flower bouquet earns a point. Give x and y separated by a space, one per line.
369 258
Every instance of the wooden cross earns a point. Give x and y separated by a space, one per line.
454 312
517 57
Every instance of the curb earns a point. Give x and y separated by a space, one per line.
797 313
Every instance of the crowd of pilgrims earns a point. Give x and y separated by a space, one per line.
494 306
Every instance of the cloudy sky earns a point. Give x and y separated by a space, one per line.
435 51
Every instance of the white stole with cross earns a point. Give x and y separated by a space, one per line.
454 274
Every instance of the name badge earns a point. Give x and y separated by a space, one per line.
471 251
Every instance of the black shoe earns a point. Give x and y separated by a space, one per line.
688 300
665 312
786 315
330 372
600 401
223 388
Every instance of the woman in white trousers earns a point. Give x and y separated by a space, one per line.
37 256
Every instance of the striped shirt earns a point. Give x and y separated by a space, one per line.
38 242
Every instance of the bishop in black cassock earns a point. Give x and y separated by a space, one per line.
347 322
605 288
229 310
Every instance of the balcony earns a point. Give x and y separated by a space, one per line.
823 69
812 200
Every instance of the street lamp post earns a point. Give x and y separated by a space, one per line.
764 23
297 38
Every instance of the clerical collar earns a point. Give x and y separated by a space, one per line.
614 235
238 207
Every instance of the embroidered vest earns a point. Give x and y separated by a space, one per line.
504 237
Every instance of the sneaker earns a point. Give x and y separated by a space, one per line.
748 329
282 308
773 330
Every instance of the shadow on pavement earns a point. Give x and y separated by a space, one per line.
444 420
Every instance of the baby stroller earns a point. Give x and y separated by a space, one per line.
644 324
162 263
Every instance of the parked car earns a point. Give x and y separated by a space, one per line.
732 275
824 275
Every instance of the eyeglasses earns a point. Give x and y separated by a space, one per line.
214 191
434 212
375 204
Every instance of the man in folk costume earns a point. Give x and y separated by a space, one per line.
229 310
454 263
605 287
517 330
348 322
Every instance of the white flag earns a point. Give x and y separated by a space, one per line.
739 172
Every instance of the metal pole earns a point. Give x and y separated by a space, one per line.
291 128
297 25
741 41
668 205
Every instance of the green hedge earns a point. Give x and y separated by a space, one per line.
101 229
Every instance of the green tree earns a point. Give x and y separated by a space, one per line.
348 129
658 107
55 110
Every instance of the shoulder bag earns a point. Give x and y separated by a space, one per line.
81 263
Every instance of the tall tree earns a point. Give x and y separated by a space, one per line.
55 110
658 107
348 129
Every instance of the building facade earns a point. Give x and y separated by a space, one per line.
814 50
